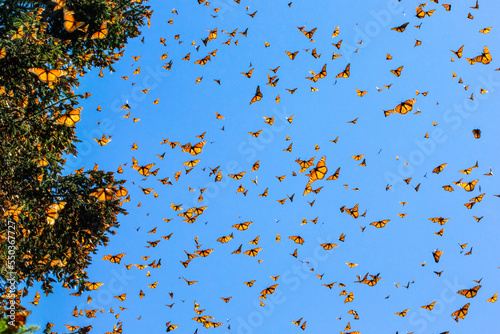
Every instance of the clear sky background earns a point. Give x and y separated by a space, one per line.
394 148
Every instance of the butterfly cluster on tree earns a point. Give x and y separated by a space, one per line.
60 216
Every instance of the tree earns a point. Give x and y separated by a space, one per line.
18 325
59 217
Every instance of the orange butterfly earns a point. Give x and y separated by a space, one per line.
47 75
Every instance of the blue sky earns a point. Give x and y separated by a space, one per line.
186 109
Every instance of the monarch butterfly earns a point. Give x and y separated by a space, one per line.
281 178
72 328
469 293
255 241
291 91
185 263
226 299
404 107
225 239
269 120
316 191
297 239
469 186
152 244
447 7
349 298
238 176
329 286
47 76
484 58
70 24
309 34
170 327
190 282
320 75
103 141
289 149
270 290
318 173
144 170
346 73
101 33
242 226
249 73
257 96
270 80
255 166
400 28
380 223
204 253
252 252
241 189
352 212
397 71
458 53
440 232
421 13
448 188
402 313
437 255
93 286
292 55
335 175
469 205
337 45
315 54
249 283
59 4
485 30
328 246
71 118
304 164
430 306
274 70
335 56
336 32
417 42
203 61
478 198
121 297
281 201
104 194
53 212
361 93
114 258
439 168
196 149
36 300
477 133
461 313
493 298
